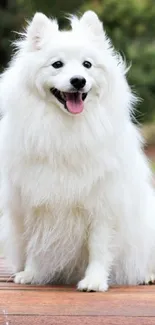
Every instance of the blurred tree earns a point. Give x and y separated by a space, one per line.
57 8
11 18
131 26
4 4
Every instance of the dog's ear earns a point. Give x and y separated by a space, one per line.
91 21
37 30
92 26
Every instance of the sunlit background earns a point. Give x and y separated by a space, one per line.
130 24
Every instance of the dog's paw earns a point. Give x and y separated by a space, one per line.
89 283
150 279
24 277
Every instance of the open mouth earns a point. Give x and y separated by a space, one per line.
73 101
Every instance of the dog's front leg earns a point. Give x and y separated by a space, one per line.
100 257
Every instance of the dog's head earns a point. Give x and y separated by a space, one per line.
68 68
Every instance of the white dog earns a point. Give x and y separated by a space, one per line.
76 194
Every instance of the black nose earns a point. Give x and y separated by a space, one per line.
78 82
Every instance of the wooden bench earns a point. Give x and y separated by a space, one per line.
56 305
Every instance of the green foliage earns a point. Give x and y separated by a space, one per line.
11 18
57 8
130 24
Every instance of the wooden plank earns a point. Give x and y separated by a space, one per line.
126 289
58 320
13 286
118 302
57 305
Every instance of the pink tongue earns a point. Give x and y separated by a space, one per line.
74 102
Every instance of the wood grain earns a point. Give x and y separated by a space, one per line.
57 305
69 302
62 320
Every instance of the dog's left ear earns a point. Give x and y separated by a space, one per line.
91 21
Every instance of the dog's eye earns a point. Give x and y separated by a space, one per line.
57 65
87 64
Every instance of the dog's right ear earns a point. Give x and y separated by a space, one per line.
38 29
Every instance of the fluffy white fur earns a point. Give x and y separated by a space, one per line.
76 193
